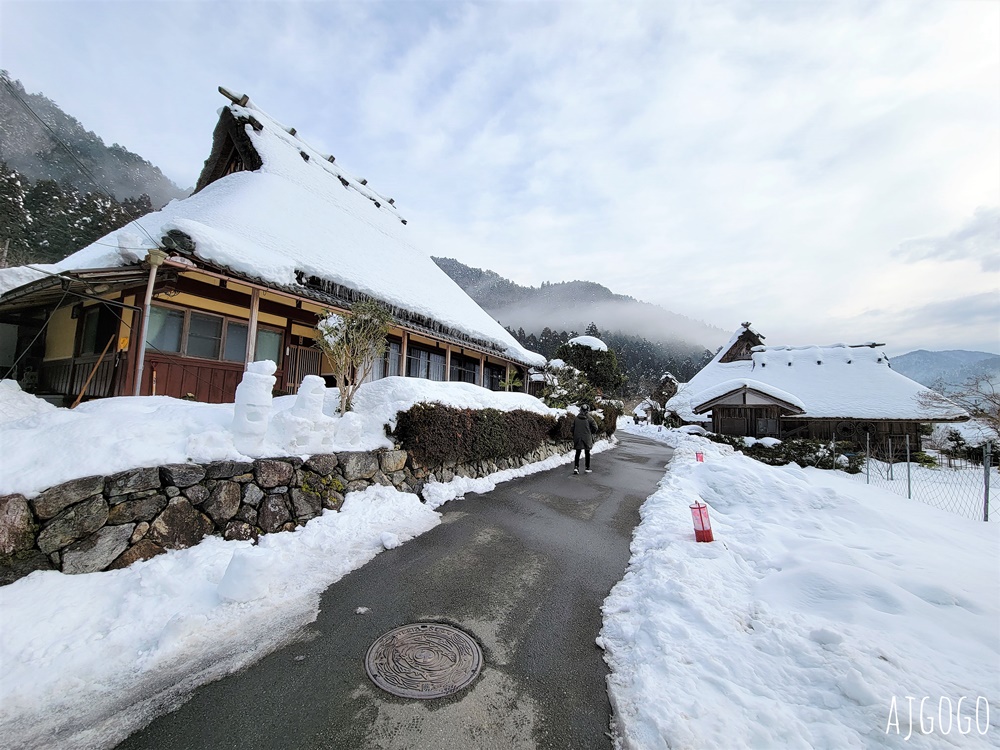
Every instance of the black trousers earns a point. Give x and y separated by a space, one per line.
576 460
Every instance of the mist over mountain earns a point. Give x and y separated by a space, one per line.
648 340
573 305
947 368
29 148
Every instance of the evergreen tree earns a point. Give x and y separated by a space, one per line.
600 366
592 330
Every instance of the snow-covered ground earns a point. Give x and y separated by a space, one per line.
827 614
85 660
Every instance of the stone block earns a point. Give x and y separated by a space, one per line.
252 494
392 461
358 465
271 473
227 469
180 525
142 550
240 530
21 564
307 505
133 480
223 503
196 494
17 525
272 513
182 475
55 499
322 463
74 523
140 509
97 551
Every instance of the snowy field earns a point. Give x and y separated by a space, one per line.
827 614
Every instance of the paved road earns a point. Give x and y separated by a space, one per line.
523 569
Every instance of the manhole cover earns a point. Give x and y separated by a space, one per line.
423 660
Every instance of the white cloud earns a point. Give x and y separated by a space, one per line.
729 160
977 239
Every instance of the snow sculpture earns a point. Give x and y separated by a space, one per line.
305 428
253 407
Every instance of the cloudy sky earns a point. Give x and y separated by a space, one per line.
826 169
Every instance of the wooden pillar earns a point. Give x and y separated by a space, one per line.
404 347
252 327
447 363
482 369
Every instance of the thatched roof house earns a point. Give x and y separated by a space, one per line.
840 391
274 234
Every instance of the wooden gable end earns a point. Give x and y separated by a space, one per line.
232 150
742 348
747 397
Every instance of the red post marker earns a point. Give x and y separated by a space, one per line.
699 457
702 526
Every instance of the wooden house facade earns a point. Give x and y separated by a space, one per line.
274 236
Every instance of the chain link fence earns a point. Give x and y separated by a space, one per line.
960 484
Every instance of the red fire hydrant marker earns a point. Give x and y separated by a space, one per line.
702 526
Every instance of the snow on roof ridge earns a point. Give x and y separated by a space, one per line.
785 347
243 104
733 384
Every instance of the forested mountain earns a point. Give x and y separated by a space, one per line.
947 368
29 147
43 222
647 339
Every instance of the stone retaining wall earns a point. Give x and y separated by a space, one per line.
108 522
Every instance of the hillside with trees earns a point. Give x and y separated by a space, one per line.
35 134
647 339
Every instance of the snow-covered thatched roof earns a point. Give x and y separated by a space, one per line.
827 382
293 218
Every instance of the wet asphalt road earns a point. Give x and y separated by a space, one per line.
523 569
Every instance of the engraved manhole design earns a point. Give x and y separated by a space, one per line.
423 660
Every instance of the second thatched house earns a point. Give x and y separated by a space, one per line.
842 392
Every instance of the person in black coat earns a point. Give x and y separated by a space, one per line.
584 429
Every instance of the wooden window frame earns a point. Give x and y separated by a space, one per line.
226 320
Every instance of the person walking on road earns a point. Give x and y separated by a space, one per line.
584 429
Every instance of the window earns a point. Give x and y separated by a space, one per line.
207 336
495 375
388 364
204 336
464 369
424 363
165 329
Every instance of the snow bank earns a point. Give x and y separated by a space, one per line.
89 659
822 605
45 445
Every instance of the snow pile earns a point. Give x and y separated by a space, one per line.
819 608
106 436
133 643
15 404
591 342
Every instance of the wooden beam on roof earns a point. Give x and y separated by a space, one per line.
240 99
